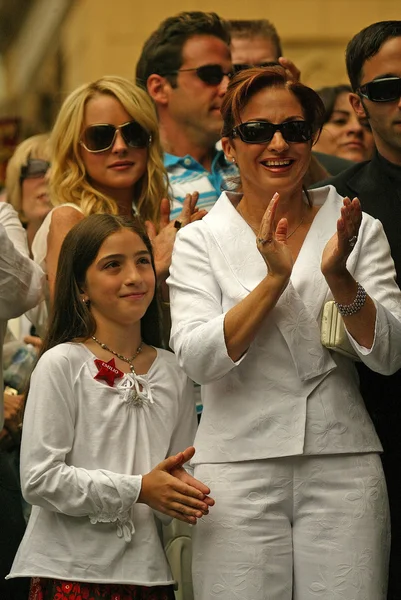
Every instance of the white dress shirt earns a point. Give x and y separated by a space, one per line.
84 450
288 395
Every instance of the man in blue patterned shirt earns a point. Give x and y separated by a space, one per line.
185 66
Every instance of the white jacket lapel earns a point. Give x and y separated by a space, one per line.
297 325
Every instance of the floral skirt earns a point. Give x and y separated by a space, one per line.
55 589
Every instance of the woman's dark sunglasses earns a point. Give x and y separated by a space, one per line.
34 168
242 66
98 138
386 89
262 132
210 74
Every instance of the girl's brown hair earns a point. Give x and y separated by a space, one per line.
71 319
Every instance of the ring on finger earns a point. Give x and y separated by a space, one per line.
263 241
177 224
353 240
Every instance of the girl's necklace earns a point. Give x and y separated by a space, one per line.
120 356
137 391
256 231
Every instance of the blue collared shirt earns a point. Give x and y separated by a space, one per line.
187 175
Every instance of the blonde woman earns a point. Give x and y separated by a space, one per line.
26 183
107 158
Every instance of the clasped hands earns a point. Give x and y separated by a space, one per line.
169 489
273 246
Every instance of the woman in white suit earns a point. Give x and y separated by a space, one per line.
285 442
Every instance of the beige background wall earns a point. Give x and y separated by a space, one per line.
314 32
99 37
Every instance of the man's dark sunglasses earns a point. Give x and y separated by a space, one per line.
98 138
210 74
262 132
386 89
35 167
237 68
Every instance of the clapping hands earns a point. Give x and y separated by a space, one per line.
163 241
272 242
340 245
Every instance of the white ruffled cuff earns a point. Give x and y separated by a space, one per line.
123 521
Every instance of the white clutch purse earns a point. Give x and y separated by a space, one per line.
332 332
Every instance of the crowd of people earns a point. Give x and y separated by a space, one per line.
214 238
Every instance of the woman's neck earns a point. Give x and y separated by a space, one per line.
291 206
122 197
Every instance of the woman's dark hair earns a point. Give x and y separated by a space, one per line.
365 45
71 319
329 97
250 81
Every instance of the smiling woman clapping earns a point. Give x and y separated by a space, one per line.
285 440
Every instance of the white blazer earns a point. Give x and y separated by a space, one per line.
288 395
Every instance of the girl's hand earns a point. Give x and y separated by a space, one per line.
167 494
272 243
182 475
163 241
340 245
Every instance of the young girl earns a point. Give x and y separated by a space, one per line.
104 409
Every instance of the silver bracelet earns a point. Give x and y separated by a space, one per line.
346 310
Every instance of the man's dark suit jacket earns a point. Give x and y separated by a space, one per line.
382 395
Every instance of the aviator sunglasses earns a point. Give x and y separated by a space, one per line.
210 74
98 138
34 168
386 89
262 132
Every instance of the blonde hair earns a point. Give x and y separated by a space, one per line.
68 179
37 146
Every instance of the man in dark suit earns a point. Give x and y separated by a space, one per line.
373 60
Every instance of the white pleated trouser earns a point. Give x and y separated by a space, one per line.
294 528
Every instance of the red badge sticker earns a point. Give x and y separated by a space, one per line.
108 371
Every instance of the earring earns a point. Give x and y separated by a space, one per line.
233 160
85 301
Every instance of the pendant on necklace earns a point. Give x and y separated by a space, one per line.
130 393
132 397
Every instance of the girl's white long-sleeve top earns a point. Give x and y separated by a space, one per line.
288 395
85 447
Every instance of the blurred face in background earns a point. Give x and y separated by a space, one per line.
35 200
253 51
345 135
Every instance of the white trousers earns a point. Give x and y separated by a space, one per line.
294 528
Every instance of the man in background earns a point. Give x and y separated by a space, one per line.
185 67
